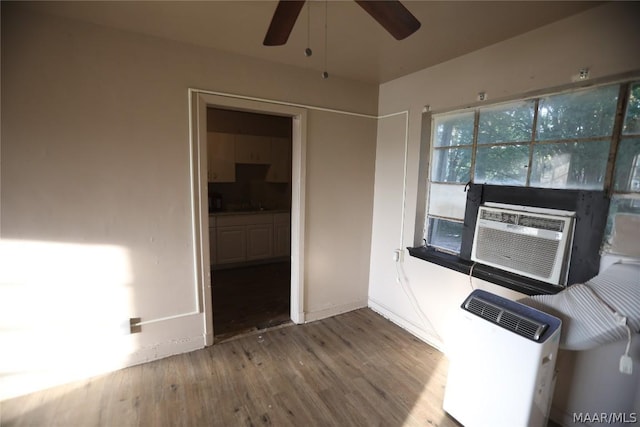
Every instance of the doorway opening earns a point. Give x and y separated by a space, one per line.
249 207
200 102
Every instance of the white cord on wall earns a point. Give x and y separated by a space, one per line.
626 363
404 177
471 276
414 301
397 253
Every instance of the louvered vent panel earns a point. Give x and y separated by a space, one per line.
506 319
520 325
504 248
482 309
540 222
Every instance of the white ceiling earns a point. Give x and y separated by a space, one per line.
358 47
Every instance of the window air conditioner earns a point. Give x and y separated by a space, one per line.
525 241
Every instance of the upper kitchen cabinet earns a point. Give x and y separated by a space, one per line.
253 149
280 169
221 157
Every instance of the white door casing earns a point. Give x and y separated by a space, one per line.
199 101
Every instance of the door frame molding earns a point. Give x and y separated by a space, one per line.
199 100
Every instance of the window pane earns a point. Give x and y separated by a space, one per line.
632 117
451 165
627 204
445 234
502 165
570 165
588 113
628 166
447 200
506 123
453 129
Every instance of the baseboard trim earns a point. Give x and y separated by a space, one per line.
34 380
312 316
410 327
165 349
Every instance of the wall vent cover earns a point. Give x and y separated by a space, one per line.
514 322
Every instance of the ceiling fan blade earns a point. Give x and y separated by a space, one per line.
393 16
282 22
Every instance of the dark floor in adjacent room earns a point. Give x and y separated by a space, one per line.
250 298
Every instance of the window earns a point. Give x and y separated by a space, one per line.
626 181
557 141
451 160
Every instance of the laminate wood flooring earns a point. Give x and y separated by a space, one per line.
355 369
250 298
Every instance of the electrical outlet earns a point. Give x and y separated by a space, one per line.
583 74
134 325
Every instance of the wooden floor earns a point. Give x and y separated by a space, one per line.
356 369
250 298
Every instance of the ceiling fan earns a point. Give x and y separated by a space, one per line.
391 14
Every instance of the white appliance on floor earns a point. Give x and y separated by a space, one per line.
501 363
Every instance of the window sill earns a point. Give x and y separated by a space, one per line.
512 281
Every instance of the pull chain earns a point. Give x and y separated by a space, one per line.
325 75
308 52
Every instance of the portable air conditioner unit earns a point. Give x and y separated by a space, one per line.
531 244
501 363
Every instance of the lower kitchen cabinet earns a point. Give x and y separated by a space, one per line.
231 244
241 238
281 235
213 255
259 241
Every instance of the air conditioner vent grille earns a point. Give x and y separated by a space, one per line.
482 309
541 223
508 320
525 220
499 247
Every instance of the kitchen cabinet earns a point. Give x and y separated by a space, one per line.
245 237
213 258
252 149
280 168
281 234
231 244
259 241
221 163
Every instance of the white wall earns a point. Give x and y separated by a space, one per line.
602 39
96 222
590 382
339 204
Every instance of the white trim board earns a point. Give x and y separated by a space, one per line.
199 101
410 327
334 310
